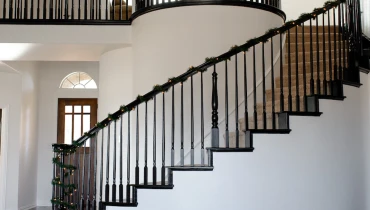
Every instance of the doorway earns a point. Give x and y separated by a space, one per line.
75 117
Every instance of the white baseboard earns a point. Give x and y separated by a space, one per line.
27 207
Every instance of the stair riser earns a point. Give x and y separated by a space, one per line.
232 140
314 29
314 46
301 81
308 67
314 37
293 57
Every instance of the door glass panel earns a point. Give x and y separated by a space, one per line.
68 109
68 129
86 109
77 109
86 126
77 126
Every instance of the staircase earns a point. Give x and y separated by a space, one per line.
314 63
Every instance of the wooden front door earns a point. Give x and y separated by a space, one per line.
75 117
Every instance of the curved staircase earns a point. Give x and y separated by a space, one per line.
314 63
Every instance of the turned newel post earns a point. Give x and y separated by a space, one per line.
215 131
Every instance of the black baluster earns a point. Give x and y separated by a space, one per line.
54 176
182 155
335 47
281 74
73 10
106 9
227 107
312 83
347 36
273 85
173 128
146 146
79 151
127 10
340 43
254 89
289 74
88 201
93 16
114 186
79 9
25 10
100 9
85 9
246 115
191 121
16 9
298 106
201 119
215 131
107 166
343 30
92 9
113 11
304 71
66 10
325 86
120 11
236 103
137 171
264 87
95 169
318 83
31 10
10 9
101 167
128 196
163 173
120 162
82 185
51 9
38 10
330 61
155 142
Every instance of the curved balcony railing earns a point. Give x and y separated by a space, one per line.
149 4
104 11
66 11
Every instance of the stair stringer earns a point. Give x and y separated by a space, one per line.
320 165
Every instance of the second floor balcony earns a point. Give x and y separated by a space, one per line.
95 12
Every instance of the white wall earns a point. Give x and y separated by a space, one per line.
294 8
50 76
116 81
365 8
365 120
320 166
71 34
11 96
28 135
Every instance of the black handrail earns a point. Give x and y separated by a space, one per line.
202 67
142 4
267 116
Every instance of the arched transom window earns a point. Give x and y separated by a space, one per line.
78 80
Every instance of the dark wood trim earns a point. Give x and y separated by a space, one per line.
65 22
62 102
209 2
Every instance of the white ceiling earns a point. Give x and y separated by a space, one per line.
54 52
